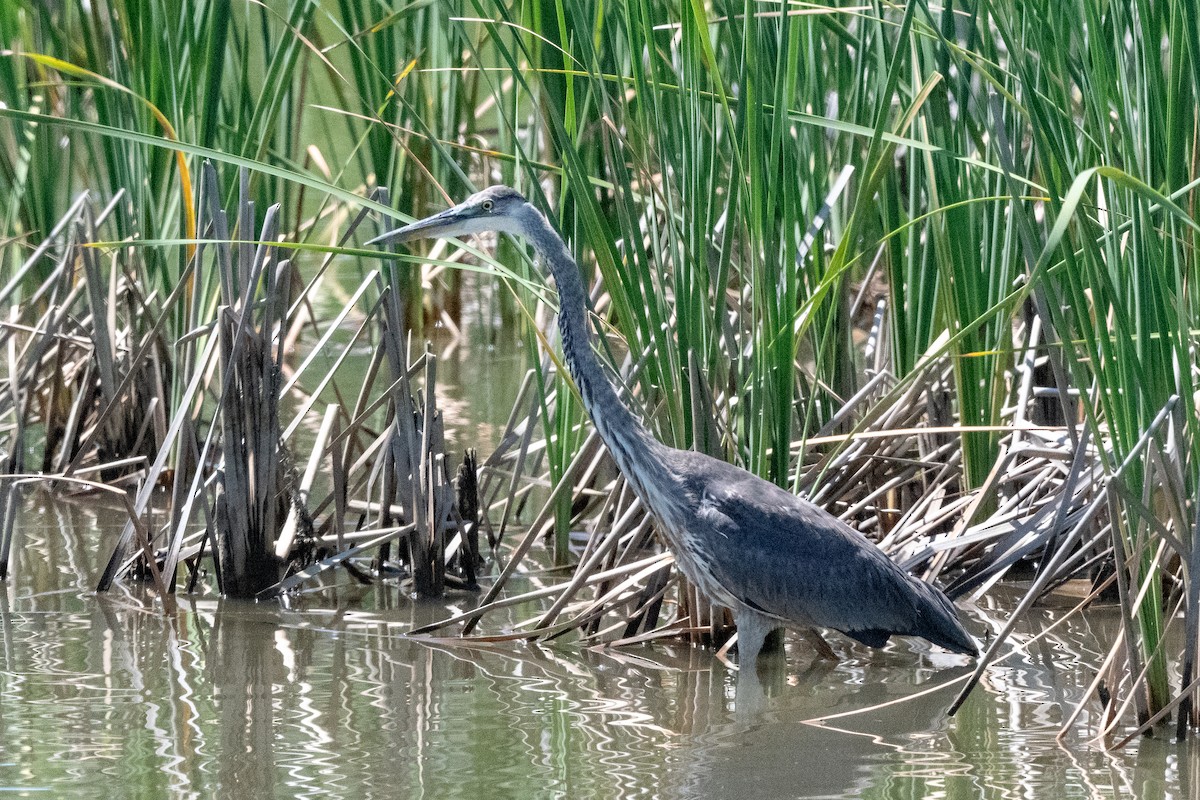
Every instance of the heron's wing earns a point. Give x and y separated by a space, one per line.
792 560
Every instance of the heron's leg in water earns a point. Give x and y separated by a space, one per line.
752 631
758 634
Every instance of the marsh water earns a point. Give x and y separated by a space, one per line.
324 696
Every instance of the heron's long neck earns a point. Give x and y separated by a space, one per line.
624 434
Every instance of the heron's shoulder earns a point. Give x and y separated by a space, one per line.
699 471
734 492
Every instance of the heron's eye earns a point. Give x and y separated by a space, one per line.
486 205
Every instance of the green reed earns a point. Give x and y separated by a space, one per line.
685 150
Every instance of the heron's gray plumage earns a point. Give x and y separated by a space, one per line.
747 544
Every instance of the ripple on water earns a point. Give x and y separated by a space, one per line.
107 697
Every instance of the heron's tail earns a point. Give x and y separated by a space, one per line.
938 622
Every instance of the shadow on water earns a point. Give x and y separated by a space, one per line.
107 696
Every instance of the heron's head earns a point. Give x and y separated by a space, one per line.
497 208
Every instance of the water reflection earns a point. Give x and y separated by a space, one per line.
326 698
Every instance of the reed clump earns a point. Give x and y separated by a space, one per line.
935 268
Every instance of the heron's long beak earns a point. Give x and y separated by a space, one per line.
444 224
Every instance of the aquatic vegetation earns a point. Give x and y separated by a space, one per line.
933 267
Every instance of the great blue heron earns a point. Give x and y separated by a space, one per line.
774 559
